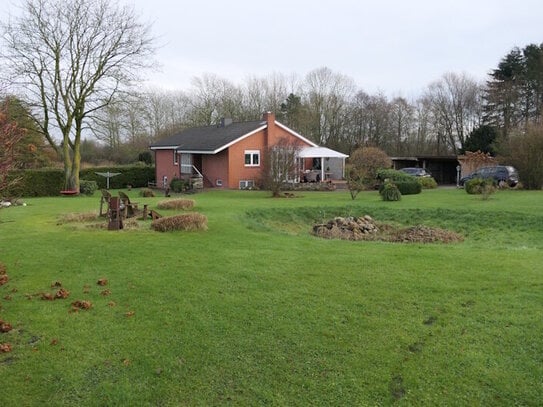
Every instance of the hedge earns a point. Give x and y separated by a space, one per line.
405 187
137 176
49 182
36 183
393 175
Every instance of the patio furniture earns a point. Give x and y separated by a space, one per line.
104 199
312 176
114 213
130 208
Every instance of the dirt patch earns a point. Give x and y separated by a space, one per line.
425 234
366 228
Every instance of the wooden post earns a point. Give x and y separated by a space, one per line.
145 212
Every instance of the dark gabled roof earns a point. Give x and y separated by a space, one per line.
209 139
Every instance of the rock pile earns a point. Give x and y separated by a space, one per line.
349 228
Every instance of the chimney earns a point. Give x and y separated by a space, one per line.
269 118
225 122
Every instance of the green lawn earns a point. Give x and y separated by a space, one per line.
255 311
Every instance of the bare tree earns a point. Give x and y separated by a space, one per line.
107 125
254 99
378 121
280 165
456 109
163 113
422 141
212 98
402 121
328 97
70 58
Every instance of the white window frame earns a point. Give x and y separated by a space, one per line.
186 163
252 154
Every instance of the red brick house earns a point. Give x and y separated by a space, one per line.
228 155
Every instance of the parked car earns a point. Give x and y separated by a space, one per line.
416 172
499 173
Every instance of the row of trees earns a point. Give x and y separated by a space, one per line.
77 65
325 106
453 114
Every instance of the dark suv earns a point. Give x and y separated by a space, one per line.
499 173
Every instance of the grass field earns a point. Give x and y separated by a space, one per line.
256 311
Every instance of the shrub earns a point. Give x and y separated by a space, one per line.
178 185
355 180
390 192
407 184
427 182
183 204
364 163
88 187
524 151
480 186
188 222
393 175
411 187
147 193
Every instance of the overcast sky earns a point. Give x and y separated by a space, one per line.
394 46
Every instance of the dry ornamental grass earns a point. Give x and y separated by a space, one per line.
183 204
78 217
187 222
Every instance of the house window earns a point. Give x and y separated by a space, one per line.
246 184
186 163
252 158
175 157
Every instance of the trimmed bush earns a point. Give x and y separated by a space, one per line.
411 187
184 204
394 175
88 187
390 192
179 185
480 186
407 184
187 222
427 182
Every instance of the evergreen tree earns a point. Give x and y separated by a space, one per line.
482 139
514 93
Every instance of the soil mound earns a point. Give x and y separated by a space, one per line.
365 228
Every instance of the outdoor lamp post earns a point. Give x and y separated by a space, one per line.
458 168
